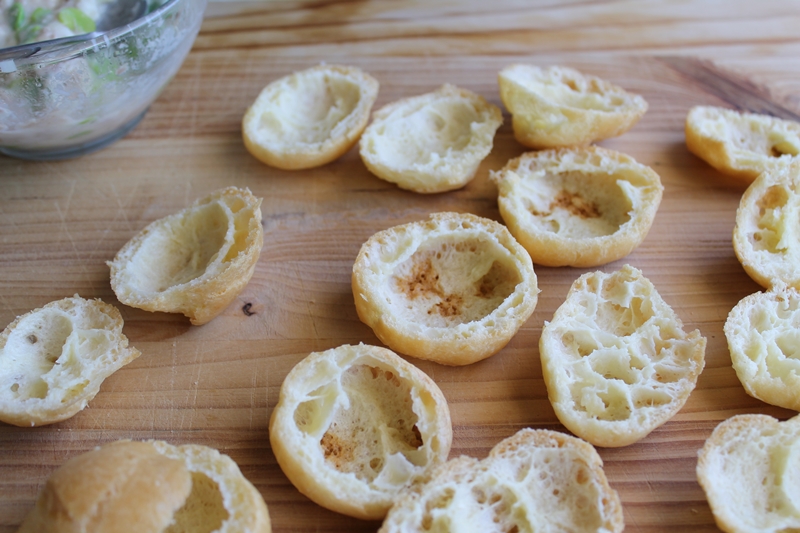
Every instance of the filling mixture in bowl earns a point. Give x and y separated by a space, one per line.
82 96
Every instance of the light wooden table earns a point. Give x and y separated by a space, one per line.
216 384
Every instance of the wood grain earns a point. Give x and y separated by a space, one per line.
216 384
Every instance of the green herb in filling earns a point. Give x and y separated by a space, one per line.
76 20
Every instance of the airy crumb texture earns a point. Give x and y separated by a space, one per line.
194 262
53 359
579 206
748 470
615 359
765 237
356 424
741 145
452 289
559 106
433 142
309 118
149 487
763 333
536 480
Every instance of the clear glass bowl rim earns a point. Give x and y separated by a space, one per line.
70 50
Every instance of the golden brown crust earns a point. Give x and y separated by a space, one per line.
54 359
615 359
535 480
148 487
283 129
112 489
194 262
741 145
559 106
432 142
354 425
578 206
452 289
764 237
748 470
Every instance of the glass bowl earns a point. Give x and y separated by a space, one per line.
80 97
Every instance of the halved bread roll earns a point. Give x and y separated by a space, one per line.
579 206
559 106
741 145
452 289
194 262
309 118
356 424
54 359
764 341
433 142
149 487
535 480
615 359
765 237
748 470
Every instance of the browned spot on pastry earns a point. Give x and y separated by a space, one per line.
774 152
416 440
338 452
575 204
32 338
486 287
424 279
449 306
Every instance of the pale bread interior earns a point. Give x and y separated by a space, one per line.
567 87
453 289
432 142
536 480
748 470
310 117
53 359
765 237
616 360
449 281
741 144
194 262
558 106
579 206
764 342
221 499
356 424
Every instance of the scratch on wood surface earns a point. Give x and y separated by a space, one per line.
734 88
121 211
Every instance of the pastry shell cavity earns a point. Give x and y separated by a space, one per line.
616 360
54 359
579 206
149 487
764 342
433 142
765 237
309 118
741 145
452 289
355 425
559 106
194 262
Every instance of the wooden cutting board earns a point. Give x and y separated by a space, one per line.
217 384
